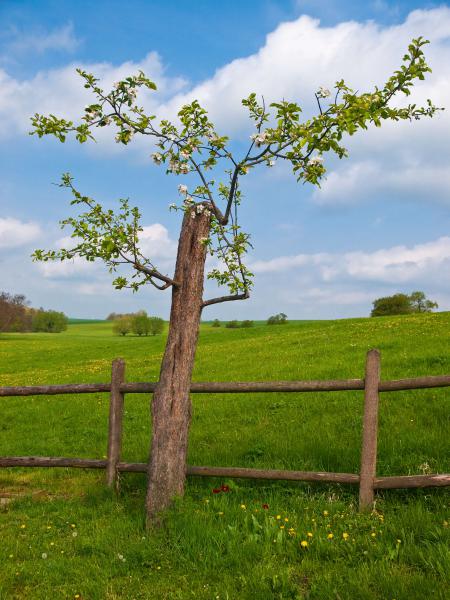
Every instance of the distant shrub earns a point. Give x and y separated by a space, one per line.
247 323
232 324
402 304
49 321
215 323
156 325
140 324
279 319
122 326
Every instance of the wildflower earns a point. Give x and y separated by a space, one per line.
373 534
157 158
220 513
44 555
265 506
286 520
399 541
278 517
224 488
325 513
49 526
22 526
281 526
182 189
11 556
77 596
73 525
323 92
243 507
330 536
216 491
74 534
304 544
309 534
345 536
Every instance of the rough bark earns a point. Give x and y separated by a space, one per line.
171 405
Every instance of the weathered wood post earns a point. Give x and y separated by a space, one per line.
370 430
115 422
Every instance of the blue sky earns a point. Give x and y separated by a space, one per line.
379 224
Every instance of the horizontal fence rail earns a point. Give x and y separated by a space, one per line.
232 387
367 479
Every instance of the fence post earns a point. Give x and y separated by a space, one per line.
115 422
370 430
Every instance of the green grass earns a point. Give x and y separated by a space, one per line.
211 547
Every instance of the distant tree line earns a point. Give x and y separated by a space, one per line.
138 323
17 316
279 319
402 304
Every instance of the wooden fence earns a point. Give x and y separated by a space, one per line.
367 479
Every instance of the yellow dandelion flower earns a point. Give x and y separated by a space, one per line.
243 506
220 513
345 536
399 541
325 513
373 534
11 556
73 525
22 526
330 536
281 526
304 544
278 517
286 520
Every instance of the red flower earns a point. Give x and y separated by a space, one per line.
216 491
225 488
265 506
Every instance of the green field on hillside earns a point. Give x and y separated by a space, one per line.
64 535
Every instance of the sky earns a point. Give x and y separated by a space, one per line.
379 224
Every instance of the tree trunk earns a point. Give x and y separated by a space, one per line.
171 405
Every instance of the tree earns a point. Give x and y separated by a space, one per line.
14 315
420 303
210 209
49 321
140 324
279 319
215 323
156 325
122 326
402 304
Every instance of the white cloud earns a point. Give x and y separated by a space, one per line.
399 264
14 233
62 38
156 244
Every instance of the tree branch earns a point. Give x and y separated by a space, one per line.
220 299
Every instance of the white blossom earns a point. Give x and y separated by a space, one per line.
157 158
44 555
182 189
200 208
183 168
185 154
117 85
316 160
173 206
323 92
259 138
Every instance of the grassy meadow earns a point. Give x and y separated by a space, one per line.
64 535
